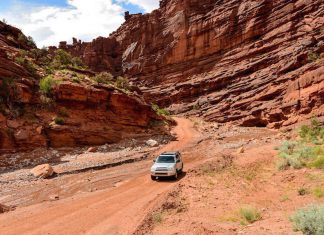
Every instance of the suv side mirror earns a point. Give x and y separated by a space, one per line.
154 160
178 160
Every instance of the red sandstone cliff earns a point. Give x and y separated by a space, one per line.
78 112
256 63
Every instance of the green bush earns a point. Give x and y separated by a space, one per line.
302 191
313 133
27 64
308 151
59 120
297 155
160 111
122 83
62 59
157 217
309 220
77 63
46 84
29 41
312 57
318 192
103 78
249 214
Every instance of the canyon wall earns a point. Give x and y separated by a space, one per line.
255 63
77 112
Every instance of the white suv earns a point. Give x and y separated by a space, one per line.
168 164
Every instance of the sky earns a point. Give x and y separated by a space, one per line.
52 21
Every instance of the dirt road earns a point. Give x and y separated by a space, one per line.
112 211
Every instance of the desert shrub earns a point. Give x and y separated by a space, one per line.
309 220
59 120
103 78
29 41
47 102
302 191
318 162
4 21
20 60
62 59
122 83
77 63
249 214
46 84
298 155
27 64
157 217
308 151
312 133
5 86
318 192
160 111
76 80
312 57
63 112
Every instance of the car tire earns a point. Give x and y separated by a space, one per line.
181 170
175 177
153 178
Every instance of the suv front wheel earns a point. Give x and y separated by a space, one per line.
153 177
175 176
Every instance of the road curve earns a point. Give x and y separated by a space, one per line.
112 211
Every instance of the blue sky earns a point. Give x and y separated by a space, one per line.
52 21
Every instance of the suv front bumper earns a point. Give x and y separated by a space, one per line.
163 173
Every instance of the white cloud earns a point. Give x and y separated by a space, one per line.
147 5
83 19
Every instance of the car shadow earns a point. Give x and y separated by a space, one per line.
170 179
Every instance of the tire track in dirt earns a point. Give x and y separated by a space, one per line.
112 211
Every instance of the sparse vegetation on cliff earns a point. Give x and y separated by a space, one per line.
103 78
160 111
27 64
29 41
59 120
46 84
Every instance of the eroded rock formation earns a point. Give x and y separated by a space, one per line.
255 63
76 113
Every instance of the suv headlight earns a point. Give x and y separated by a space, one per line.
170 168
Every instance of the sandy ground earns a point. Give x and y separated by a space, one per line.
217 181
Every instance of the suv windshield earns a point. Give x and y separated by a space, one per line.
165 159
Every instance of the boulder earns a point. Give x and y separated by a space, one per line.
4 208
240 150
42 171
152 143
92 150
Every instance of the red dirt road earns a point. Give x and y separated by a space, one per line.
113 211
